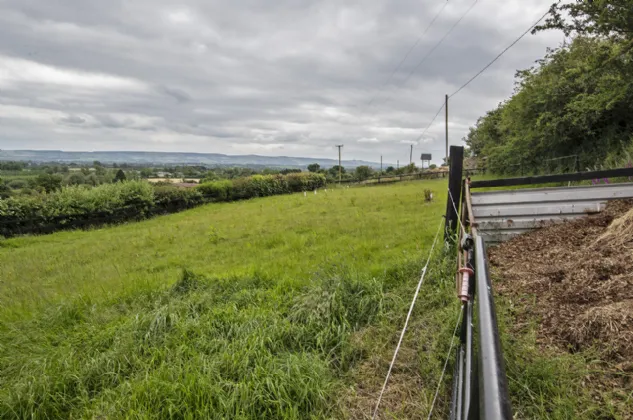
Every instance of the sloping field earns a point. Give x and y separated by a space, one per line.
282 307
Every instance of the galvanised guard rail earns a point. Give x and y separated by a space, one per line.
480 385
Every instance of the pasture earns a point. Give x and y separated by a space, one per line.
279 307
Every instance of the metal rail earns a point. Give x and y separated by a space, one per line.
546 179
480 385
494 400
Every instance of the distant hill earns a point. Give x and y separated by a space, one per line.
168 158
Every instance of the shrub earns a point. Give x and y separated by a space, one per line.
363 172
260 186
76 178
305 181
216 190
75 206
81 205
166 197
49 182
18 184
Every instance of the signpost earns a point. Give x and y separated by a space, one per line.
426 157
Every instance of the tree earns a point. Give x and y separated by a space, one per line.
5 191
49 182
410 168
146 172
290 171
120 176
93 180
12 166
363 172
390 169
608 18
76 178
314 167
572 103
334 170
432 166
18 184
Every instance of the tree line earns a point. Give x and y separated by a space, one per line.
577 100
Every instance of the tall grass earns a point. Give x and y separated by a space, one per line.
236 310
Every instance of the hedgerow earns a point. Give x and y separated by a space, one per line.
81 206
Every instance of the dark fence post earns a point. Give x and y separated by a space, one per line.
456 164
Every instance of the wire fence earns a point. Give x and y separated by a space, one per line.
386 179
547 166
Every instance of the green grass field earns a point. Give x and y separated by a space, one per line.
283 307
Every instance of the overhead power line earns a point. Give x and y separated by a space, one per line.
483 70
500 54
430 124
408 53
436 46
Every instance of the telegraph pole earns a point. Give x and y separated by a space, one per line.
380 169
339 163
446 110
411 156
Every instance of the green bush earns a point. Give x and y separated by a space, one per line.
82 205
174 197
216 190
18 184
260 186
75 206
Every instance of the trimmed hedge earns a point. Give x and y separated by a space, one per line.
82 206
261 186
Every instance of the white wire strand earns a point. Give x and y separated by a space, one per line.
448 355
406 323
456 212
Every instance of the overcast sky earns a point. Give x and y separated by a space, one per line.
283 77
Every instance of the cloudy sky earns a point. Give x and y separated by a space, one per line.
283 77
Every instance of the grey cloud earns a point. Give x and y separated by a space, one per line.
72 119
248 76
180 95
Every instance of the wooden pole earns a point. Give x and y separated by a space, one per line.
446 110
454 190
339 163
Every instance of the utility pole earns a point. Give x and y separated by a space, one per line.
380 169
411 156
339 163
446 109
398 165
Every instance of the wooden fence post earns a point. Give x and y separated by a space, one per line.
456 164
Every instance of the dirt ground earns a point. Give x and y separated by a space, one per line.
576 278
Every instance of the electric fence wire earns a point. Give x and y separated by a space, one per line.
406 323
